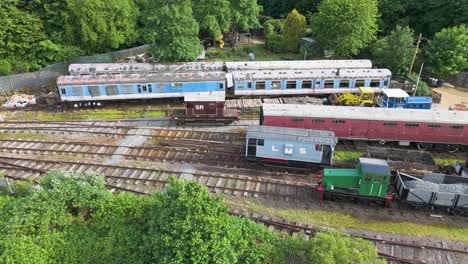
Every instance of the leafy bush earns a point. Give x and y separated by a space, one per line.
5 67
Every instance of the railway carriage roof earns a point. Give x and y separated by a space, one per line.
367 113
293 134
141 78
297 64
91 68
390 92
311 74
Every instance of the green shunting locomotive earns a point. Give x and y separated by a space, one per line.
368 181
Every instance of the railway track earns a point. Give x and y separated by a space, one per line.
395 251
146 180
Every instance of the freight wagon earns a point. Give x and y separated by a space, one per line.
290 146
426 129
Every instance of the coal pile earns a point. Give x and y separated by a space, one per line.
459 188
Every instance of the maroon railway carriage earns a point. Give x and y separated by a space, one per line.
204 107
426 129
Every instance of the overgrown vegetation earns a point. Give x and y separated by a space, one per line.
343 220
71 218
345 155
241 53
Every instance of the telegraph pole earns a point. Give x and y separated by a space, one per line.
415 53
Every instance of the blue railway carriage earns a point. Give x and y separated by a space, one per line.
397 98
290 146
87 88
315 81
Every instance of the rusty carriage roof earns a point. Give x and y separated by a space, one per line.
142 78
311 74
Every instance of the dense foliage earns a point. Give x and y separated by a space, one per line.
294 29
71 218
345 26
447 53
395 51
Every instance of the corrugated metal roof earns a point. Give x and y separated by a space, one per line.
298 64
367 113
293 134
374 166
395 92
311 74
141 78
205 97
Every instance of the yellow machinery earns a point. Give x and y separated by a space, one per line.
364 98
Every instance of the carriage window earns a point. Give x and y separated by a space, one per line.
221 86
385 83
252 141
249 85
390 124
127 89
240 86
112 90
329 83
433 126
260 85
94 90
411 125
176 86
375 83
319 121
77 91
63 91
378 178
338 121
344 83
368 178
359 83
150 88
296 119
276 85
400 100
261 142
144 88
291 85
456 127
306 84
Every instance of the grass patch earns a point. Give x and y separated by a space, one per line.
448 162
84 114
344 155
241 53
342 220
29 136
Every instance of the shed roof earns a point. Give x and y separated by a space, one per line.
311 74
374 166
390 92
292 134
367 113
167 77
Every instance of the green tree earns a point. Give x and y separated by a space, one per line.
187 225
333 247
100 25
5 67
213 16
447 53
171 29
23 41
345 26
273 39
294 28
244 14
395 51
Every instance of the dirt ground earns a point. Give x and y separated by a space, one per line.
450 96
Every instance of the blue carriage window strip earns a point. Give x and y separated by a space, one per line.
275 84
290 84
177 86
329 84
306 84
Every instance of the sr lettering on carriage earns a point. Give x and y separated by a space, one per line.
199 107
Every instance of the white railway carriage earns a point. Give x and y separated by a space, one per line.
318 81
88 88
297 65
128 68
